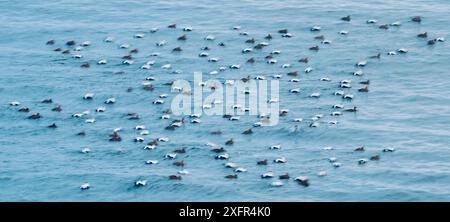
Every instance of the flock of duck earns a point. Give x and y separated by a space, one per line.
252 46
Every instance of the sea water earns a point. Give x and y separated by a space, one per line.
407 108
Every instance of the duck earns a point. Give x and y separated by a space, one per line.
240 170
187 29
109 39
24 110
365 82
210 38
231 176
170 156
314 124
280 160
276 184
416 19
348 96
166 66
321 173
298 120
85 186
88 96
222 156
203 54
384 26
284 176
365 89
183 172
315 28
151 162
218 150
158 101
275 147
314 48
361 63
336 113
396 24
315 95
102 62
139 139
402 50
374 158
235 66
139 35
149 147
358 73
345 85
390 149
247 132
422 35
53 126
111 100
338 106
346 18
262 162
163 139
230 165
35 116
174 177
339 93
92 120
14 103
267 175
86 150
304 60
140 183
179 163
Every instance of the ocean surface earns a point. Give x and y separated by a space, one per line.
407 107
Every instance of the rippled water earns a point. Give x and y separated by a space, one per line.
407 107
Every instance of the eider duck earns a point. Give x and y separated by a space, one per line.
140 183
14 103
416 19
346 18
222 156
284 176
85 186
302 180
139 35
280 160
35 116
24 110
231 176
277 184
111 100
151 162
268 175
170 156
390 149
374 158
90 120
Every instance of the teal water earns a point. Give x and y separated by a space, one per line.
407 108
